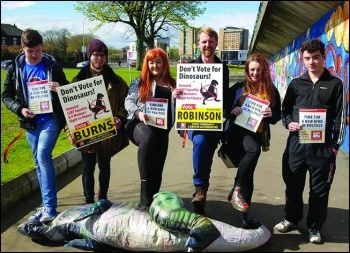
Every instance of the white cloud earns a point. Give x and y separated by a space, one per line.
10 5
112 34
115 35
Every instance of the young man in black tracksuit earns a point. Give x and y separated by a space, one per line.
316 89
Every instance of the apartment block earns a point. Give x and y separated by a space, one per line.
188 43
231 40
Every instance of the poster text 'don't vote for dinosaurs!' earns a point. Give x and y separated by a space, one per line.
200 107
87 110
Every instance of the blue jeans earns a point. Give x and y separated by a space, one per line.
42 141
204 146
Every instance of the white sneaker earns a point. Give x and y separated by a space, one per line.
38 214
48 215
314 235
283 226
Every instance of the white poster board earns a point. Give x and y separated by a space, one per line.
313 122
251 116
87 110
39 97
200 107
157 112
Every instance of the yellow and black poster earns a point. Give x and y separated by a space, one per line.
87 110
200 107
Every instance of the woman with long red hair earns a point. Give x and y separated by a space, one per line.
247 144
155 81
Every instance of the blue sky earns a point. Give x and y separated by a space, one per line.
45 15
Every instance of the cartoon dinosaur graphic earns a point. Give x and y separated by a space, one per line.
99 105
211 92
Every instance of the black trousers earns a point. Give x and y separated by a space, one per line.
152 145
88 179
319 160
247 145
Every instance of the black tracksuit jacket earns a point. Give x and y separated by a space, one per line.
327 93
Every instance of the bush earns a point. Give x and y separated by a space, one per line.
10 52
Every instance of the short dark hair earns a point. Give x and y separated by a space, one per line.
31 38
313 46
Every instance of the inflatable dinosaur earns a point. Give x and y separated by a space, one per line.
166 226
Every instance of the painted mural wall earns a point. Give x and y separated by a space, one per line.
333 30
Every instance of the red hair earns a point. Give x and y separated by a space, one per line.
265 85
146 76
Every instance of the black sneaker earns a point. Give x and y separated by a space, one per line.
249 223
199 209
100 196
89 200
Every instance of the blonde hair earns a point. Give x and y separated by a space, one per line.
207 30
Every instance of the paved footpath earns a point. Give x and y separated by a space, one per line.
267 203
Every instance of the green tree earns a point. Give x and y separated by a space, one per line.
173 53
75 44
10 52
57 41
148 19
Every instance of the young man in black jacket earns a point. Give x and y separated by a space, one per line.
315 90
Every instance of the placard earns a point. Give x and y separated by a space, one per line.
313 122
251 116
200 106
87 110
157 112
39 97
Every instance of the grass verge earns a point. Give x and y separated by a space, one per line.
20 158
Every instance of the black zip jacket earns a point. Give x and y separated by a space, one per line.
327 93
15 93
234 94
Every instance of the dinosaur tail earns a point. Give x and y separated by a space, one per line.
168 212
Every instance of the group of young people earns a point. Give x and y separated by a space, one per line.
316 89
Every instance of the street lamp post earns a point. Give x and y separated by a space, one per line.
83 49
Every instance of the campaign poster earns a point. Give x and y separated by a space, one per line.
87 110
313 122
157 112
200 107
251 116
39 97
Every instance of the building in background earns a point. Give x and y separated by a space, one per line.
10 35
188 43
163 43
233 45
